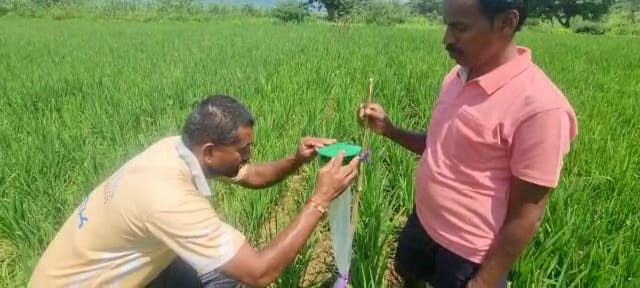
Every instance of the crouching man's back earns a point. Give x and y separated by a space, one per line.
151 223
129 228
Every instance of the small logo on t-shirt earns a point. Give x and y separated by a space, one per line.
81 211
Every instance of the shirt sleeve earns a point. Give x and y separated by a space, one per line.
195 233
539 145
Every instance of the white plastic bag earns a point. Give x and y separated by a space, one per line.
341 235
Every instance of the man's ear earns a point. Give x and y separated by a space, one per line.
508 21
207 152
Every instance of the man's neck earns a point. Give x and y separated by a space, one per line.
505 56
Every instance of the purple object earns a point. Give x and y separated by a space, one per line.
342 281
365 156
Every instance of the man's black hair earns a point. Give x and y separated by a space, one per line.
216 119
492 8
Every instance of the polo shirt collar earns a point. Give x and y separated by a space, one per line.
498 77
196 171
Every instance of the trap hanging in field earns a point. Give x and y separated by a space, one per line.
343 216
341 229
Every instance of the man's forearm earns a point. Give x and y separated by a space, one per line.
509 245
413 141
268 174
284 248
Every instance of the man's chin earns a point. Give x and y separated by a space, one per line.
457 57
232 173
212 173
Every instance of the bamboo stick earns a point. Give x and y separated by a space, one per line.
354 208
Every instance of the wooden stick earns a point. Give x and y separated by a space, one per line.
354 208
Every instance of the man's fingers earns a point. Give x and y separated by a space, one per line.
351 175
361 110
349 172
372 110
346 170
315 143
319 142
353 164
337 160
331 163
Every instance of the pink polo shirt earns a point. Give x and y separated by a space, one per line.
511 122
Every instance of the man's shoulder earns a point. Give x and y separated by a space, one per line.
537 94
155 172
540 92
158 153
165 142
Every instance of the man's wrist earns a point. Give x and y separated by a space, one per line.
390 132
296 160
321 208
479 281
508 247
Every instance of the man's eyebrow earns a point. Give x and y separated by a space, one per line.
456 22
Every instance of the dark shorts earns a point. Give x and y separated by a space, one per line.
181 274
418 257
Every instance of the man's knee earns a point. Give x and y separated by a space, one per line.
180 274
218 279
177 274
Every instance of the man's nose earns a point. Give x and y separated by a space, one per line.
448 37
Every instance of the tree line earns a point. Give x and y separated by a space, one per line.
561 11
621 14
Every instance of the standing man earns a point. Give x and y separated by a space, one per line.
151 223
493 150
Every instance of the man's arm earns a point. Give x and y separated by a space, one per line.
374 116
260 268
539 146
526 209
258 176
412 141
189 226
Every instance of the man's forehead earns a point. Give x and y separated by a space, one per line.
460 11
245 134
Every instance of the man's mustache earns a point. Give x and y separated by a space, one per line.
452 48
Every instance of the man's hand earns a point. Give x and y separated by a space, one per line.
307 150
258 176
374 117
333 179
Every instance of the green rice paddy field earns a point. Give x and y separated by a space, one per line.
79 97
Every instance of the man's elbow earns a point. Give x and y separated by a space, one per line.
261 279
264 282
250 182
259 273
255 185
523 231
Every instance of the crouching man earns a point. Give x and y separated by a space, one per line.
151 223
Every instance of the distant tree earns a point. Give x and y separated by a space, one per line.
564 10
631 7
338 9
291 11
425 7
385 12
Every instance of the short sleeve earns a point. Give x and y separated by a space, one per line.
195 233
539 146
